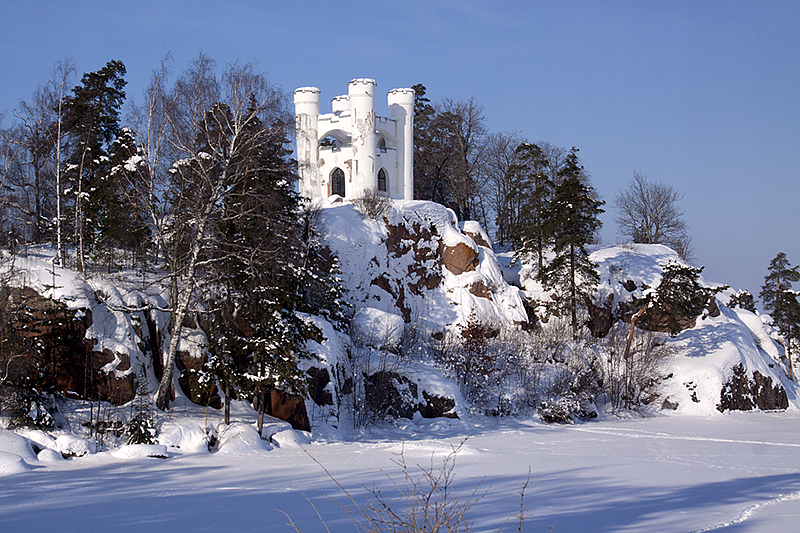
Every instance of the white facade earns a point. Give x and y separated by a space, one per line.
353 150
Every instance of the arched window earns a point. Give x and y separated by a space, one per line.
382 145
337 182
382 180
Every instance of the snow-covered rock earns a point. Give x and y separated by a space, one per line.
186 435
11 463
71 446
138 451
379 329
706 356
11 443
240 439
417 263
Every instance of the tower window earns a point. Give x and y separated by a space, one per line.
382 145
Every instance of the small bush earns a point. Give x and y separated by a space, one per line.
373 204
629 383
422 500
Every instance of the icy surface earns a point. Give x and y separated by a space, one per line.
667 474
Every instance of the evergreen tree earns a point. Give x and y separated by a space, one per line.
780 300
121 223
423 114
571 219
530 192
141 428
777 282
92 121
320 288
678 299
264 269
744 300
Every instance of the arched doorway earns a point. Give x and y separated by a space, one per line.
337 182
382 185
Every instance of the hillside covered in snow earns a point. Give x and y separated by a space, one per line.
440 325
447 340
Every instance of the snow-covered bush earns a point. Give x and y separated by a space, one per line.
27 407
513 371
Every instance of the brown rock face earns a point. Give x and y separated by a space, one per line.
391 394
601 317
289 408
741 393
190 369
53 353
423 273
318 379
437 406
109 387
459 258
480 290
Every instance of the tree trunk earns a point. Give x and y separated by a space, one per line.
572 289
262 402
179 312
227 404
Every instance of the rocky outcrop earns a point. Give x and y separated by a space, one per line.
437 406
392 394
601 317
289 408
743 393
193 386
52 353
317 382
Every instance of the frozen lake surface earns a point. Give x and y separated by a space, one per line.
732 472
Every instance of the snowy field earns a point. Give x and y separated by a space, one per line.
732 472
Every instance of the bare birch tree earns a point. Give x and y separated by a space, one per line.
648 213
208 126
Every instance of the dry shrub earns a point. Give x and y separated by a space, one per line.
373 204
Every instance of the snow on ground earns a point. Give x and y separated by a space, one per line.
699 471
736 472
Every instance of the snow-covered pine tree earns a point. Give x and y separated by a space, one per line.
780 301
779 279
678 299
92 121
258 267
530 192
141 428
320 287
742 299
119 221
571 220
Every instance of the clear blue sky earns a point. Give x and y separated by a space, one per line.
703 96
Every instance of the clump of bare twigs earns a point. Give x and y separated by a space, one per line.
420 500
373 204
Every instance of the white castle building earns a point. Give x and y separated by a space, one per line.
352 150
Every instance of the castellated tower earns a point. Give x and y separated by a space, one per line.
352 150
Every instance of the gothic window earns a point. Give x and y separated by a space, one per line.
382 180
382 145
337 182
